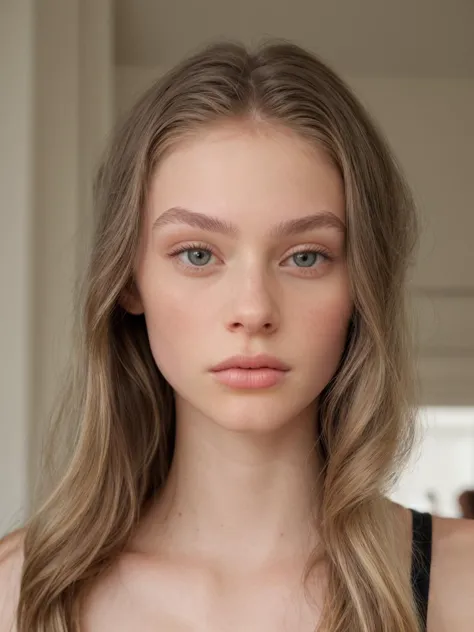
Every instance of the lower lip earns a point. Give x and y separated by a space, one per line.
249 378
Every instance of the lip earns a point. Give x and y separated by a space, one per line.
261 361
249 379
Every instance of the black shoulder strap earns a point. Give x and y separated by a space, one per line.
421 560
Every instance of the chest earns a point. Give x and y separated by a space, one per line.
199 601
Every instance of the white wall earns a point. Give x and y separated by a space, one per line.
444 463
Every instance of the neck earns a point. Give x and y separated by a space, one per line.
239 497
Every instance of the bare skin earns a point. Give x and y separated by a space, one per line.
273 600
142 592
224 546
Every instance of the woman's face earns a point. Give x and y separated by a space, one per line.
242 253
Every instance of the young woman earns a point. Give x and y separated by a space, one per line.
242 397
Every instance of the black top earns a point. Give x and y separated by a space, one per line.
421 560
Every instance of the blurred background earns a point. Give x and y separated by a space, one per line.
69 68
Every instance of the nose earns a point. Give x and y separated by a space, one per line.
254 308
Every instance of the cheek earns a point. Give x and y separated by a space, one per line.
324 325
175 321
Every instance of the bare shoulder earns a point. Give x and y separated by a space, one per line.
11 564
451 601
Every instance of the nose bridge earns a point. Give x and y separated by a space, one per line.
254 298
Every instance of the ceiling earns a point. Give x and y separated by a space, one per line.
358 37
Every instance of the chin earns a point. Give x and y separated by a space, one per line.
255 415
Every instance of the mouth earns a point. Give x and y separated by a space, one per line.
258 362
250 372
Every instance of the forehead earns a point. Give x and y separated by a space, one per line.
252 174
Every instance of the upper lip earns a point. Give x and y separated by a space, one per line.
261 361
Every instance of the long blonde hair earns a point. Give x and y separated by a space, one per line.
121 409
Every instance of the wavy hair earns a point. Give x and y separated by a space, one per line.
121 409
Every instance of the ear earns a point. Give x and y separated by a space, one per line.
130 299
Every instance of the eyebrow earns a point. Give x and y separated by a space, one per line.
287 228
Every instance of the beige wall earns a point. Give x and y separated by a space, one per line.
16 186
56 100
430 125
73 108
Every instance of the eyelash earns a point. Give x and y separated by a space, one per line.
205 247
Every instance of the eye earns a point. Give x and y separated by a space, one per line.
309 258
196 256
306 259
